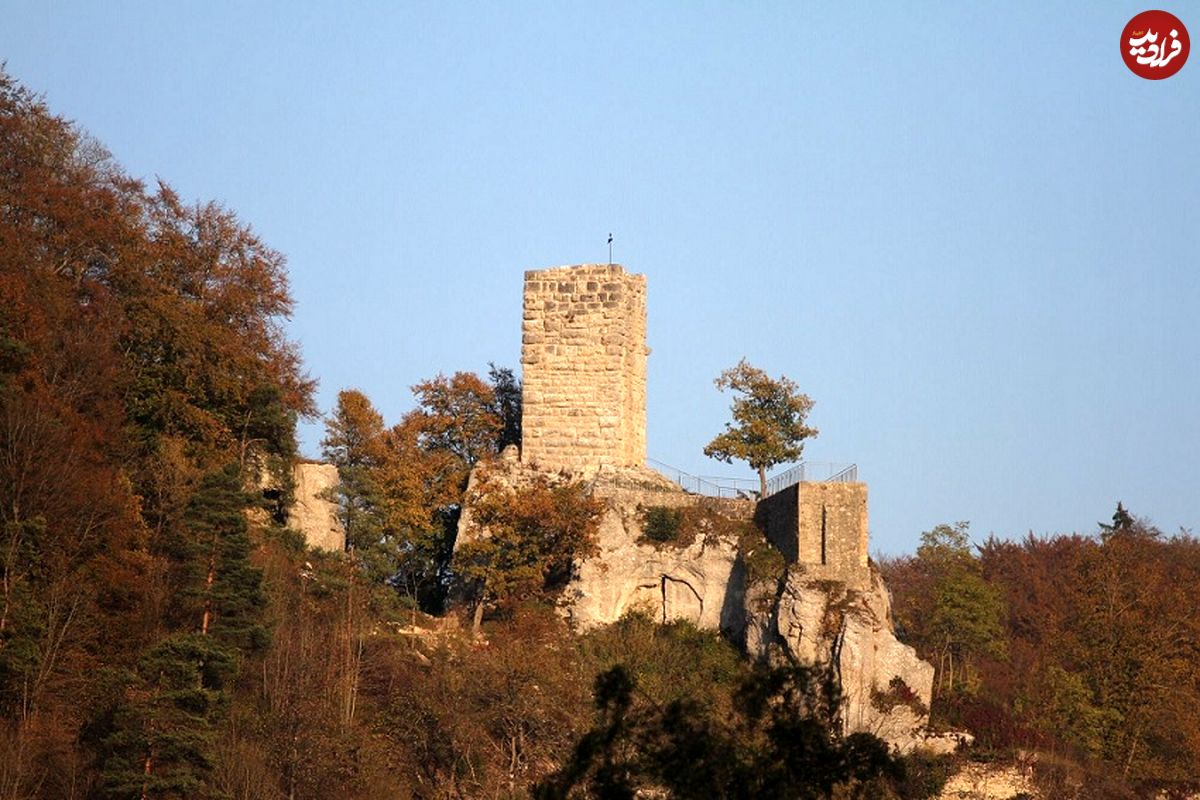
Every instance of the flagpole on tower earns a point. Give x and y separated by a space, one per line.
610 249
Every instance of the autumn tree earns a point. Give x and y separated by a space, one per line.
528 542
1098 646
768 425
960 616
1132 633
458 414
71 535
511 710
141 349
210 370
307 710
401 487
421 490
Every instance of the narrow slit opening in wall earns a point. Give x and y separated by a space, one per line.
822 533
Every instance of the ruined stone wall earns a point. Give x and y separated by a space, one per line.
821 525
779 518
583 354
833 528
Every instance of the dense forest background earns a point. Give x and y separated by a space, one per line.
1084 649
164 635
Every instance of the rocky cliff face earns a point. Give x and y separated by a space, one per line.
886 688
698 582
799 617
313 513
707 579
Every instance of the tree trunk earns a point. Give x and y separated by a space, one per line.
14 546
762 482
1132 750
477 620
147 771
353 661
209 580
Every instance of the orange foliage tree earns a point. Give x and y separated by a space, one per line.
529 541
141 347
402 487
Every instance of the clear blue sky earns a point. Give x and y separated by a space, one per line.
966 229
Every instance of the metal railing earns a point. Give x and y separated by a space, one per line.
708 485
816 472
747 488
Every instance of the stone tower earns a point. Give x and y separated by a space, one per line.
583 356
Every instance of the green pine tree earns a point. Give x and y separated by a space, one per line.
160 735
218 592
164 729
352 443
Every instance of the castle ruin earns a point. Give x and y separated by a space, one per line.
583 355
584 358
821 524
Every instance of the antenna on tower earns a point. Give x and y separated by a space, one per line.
610 249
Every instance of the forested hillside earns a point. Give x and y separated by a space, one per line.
143 376
1083 649
163 634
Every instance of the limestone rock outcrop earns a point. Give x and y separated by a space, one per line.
886 688
696 582
991 782
313 513
801 616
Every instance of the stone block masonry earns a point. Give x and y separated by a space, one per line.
822 526
583 357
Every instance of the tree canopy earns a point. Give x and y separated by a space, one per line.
781 739
949 611
145 380
531 537
1084 646
401 487
768 426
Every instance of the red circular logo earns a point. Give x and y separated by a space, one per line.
1155 45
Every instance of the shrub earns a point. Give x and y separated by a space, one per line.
898 694
762 560
661 524
925 775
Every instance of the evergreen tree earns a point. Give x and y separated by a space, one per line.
353 444
163 728
1124 523
506 389
217 591
163 733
